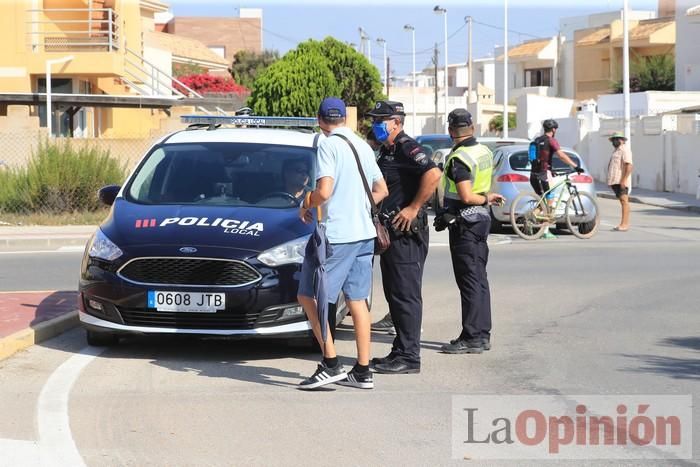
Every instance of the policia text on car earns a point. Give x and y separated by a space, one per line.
467 181
411 178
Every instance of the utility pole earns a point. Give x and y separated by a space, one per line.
505 69
470 74
435 65
388 76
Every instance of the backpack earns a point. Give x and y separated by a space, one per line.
538 151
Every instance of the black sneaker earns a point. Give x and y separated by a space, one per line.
486 343
359 380
384 325
324 375
462 346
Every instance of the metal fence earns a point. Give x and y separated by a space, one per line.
60 185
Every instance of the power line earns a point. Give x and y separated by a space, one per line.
500 28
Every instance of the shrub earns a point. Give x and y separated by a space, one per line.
59 179
209 84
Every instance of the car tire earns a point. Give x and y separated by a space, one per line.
101 339
586 227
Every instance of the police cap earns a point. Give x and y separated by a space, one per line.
386 109
459 118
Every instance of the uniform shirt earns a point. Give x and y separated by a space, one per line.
403 165
619 158
458 172
546 159
347 214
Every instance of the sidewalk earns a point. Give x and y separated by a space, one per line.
677 201
41 237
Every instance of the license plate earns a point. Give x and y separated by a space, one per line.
187 302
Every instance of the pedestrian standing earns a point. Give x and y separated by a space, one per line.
350 232
620 177
411 177
467 180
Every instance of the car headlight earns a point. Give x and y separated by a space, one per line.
102 247
286 253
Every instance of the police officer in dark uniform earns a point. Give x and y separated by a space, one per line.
466 180
411 177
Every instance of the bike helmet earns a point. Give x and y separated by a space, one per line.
549 124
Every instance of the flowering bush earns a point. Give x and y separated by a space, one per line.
208 84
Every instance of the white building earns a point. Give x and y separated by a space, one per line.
687 45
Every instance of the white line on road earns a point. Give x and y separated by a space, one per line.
56 446
39 252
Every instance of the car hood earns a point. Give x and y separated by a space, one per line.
242 228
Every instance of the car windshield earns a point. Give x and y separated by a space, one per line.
433 143
230 174
519 161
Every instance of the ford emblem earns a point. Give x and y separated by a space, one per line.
188 249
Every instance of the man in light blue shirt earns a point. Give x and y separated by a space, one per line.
347 217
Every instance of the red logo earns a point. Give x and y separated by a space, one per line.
145 223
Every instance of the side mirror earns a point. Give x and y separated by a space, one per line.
107 194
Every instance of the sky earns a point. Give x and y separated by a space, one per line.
284 26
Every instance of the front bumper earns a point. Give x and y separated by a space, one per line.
283 330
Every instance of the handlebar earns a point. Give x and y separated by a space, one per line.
564 172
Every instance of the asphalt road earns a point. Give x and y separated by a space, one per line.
617 314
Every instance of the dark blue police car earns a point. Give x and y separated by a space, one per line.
204 236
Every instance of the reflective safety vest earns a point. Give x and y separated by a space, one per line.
479 159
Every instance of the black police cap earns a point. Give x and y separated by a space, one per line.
459 118
386 109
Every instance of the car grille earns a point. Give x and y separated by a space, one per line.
189 271
220 320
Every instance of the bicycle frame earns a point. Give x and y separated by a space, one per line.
571 190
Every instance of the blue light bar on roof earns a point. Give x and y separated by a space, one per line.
247 120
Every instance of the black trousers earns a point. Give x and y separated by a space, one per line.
470 254
402 277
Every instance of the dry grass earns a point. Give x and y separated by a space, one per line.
74 218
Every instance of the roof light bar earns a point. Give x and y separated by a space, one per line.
246 120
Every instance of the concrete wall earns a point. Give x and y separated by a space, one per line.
663 160
687 48
533 109
647 103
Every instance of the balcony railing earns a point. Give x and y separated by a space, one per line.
72 30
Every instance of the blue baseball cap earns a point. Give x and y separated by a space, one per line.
332 107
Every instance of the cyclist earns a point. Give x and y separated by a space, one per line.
547 146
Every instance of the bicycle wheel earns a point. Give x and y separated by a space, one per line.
527 212
582 215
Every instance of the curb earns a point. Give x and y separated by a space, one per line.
42 243
636 200
43 331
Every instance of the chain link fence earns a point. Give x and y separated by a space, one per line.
56 181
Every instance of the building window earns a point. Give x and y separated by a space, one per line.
538 77
219 50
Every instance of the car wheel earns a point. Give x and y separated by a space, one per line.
101 339
586 227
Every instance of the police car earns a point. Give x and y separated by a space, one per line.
204 236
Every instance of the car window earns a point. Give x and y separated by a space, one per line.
235 174
519 161
435 143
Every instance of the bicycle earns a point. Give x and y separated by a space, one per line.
530 214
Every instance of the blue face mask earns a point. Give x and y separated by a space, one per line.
380 131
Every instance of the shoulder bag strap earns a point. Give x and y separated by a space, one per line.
362 173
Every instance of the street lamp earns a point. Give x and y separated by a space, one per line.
443 11
49 122
386 74
408 27
626 71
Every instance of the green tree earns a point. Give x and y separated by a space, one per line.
247 65
316 69
654 73
496 122
361 85
294 86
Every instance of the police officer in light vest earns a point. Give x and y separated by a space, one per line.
466 180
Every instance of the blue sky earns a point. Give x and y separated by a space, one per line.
284 26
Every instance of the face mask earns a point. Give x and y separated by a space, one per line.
380 131
616 143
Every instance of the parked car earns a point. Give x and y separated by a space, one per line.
511 176
440 155
203 238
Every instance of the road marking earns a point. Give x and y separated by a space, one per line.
72 248
56 446
39 252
